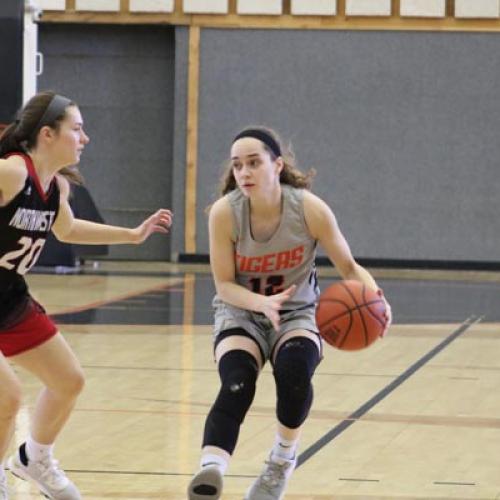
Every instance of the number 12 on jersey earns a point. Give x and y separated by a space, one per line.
270 285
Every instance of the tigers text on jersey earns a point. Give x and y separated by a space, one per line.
284 259
25 221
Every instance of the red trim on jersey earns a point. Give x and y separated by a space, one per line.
33 174
32 330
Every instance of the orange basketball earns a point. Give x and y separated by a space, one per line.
350 316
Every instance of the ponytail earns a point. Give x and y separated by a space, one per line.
10 140
72 174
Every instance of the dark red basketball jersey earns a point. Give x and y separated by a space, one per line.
24 225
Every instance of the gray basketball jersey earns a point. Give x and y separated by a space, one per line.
286 258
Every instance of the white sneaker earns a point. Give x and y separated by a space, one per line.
206 484
4 490
46 474
271 483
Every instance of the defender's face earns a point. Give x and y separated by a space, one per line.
71 138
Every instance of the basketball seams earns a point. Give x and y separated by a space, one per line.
363 322
344 300
349 292
332 319
373 314
347 310
369 303
346 334
350 310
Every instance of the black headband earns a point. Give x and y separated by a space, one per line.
56 108
262 136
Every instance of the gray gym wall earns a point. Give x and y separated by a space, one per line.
123 79
401 127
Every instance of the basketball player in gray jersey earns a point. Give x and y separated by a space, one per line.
263 234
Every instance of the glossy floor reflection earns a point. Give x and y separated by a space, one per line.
413 302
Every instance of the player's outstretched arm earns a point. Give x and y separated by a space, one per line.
71 230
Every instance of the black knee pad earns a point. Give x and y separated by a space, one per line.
238 372
294 367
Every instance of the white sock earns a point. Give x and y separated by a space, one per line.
284 448
2 470
37 451
213 460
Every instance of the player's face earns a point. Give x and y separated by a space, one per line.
253 168
71 139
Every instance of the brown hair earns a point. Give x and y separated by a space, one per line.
290 174
22 134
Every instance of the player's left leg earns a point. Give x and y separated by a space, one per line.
297 356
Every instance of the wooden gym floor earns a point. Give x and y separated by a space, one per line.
416 416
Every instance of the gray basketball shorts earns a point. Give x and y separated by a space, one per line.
259 327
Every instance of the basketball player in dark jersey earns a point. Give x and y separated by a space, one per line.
263 234
35 155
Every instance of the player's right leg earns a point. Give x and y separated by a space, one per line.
238 360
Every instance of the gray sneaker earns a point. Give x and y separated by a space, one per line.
46 474
206 484
4 490
271 483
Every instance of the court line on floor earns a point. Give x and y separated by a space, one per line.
143 473
353 417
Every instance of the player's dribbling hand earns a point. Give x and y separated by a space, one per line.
159 222
272 305
388 312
